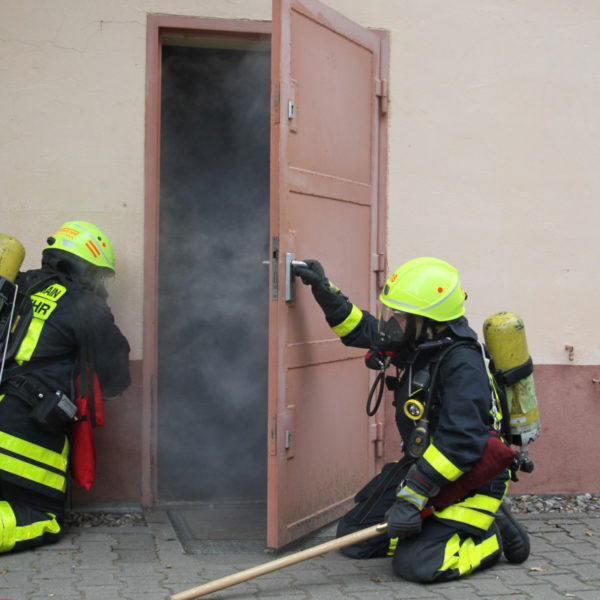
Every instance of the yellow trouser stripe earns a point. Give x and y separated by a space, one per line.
35 530
441 464
392 546
33 473
34 452
10 533
349 323
467 556
8 525
463 514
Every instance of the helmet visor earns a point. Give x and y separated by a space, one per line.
95 279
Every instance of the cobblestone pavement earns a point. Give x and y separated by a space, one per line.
146 561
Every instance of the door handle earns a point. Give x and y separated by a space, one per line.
290 262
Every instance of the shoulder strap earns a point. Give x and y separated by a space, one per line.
498 390
32 282
438 361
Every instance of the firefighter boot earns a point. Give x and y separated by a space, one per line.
515 538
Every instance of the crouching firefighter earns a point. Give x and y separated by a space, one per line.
62 341
455 461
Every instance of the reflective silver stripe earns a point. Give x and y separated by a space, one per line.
429 307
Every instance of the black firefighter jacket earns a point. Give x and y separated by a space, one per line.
72 333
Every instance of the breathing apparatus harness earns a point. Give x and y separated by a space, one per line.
14 375
497 456
380 361
419 410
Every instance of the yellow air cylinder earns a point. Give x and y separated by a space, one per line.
505 340
12 254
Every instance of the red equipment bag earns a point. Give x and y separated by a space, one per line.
496 457
90 413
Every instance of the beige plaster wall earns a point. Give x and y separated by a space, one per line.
492 159
72 110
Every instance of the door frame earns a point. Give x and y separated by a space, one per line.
157 27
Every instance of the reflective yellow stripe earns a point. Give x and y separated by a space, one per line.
8 525
30 341
349 323
482 502
33 473
10 533
36 530
466 557
496 410
392 546
53 292
463 514
44 303
441 464
34 452
451 553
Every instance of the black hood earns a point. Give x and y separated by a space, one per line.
460 327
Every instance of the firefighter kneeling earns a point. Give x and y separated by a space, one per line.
60 345
448 416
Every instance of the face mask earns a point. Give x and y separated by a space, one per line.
397 330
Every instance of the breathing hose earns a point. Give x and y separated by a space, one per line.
380 379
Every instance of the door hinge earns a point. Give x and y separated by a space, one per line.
381 91
378 265
377 438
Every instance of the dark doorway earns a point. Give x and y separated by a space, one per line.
213 285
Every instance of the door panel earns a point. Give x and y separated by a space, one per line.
324 169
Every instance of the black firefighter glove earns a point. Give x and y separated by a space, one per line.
333 303
404 517
313 274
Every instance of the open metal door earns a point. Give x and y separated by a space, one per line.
325 118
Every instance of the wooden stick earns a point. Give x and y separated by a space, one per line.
280 563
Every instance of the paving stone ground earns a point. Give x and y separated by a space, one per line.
147 562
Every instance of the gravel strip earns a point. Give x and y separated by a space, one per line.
104 519
519 504
532 504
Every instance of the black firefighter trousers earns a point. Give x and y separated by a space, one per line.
438 553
